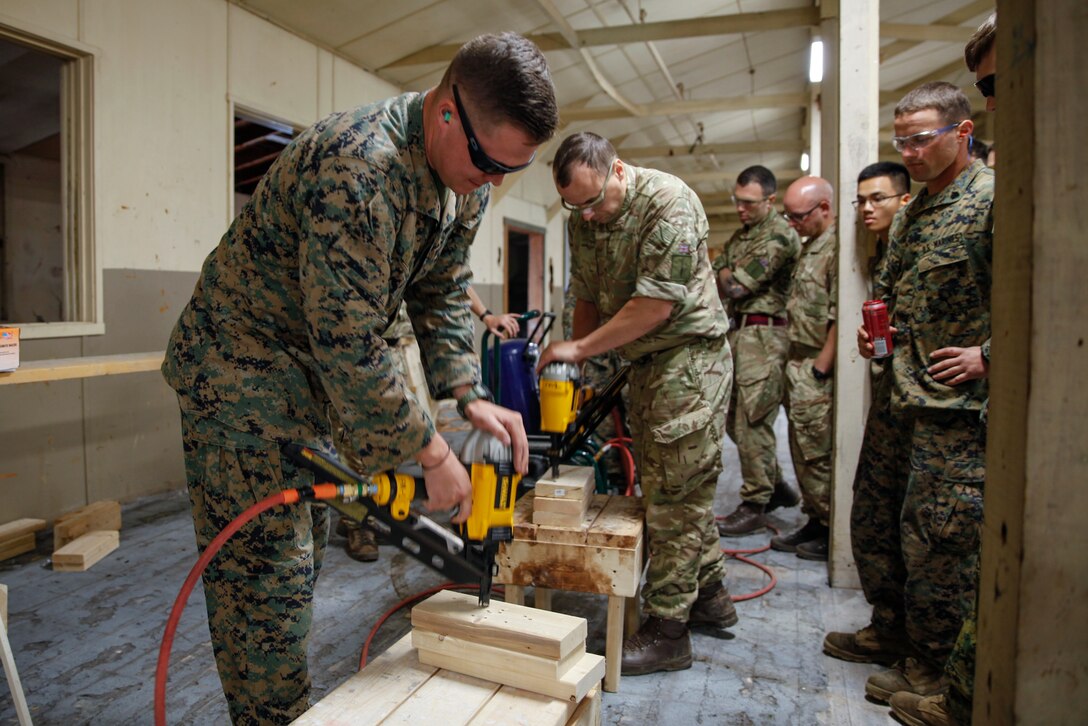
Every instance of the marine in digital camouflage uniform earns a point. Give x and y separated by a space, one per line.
812 331
938 280
282 340
644 287
754 272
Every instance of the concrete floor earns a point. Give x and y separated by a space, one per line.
86 644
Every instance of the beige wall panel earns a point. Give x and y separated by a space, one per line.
161 177
60 17
272 71
325 103
352 86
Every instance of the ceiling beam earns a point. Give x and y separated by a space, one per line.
955 17
739 147
669 108
729 175
895 94
942 31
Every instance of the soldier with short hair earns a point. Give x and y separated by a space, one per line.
641 275
282 340
753 276
936 283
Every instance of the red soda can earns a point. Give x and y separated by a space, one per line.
874 314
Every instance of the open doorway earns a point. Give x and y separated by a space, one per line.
525 267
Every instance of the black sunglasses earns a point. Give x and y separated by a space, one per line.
479 157
985 85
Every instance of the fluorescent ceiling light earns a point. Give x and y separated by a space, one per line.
804 161
816 62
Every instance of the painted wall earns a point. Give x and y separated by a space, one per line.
167 78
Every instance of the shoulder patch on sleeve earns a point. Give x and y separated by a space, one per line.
680 269
755 269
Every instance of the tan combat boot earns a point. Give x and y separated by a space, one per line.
915 710
866 646
911 675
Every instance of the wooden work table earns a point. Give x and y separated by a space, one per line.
603 556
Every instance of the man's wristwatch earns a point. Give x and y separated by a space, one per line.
820 375
475 393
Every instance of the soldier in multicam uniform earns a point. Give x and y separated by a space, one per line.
954 706
282 340
936 283
812 328
642 277
753 275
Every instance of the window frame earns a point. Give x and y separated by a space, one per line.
83 286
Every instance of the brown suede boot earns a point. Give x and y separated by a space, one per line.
659 645
784 497
866 646
362 544
745 519
713 607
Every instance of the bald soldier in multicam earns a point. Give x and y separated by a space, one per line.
644 287
282 340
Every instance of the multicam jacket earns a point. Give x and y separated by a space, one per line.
814 290
762 257
655 247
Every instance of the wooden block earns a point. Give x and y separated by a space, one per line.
573 482
532 665
17 546
551 519
516 706
588 712
81 553
19 528
572 507
4 605
502 625
373 693
581 568
586 672
104 515
610 521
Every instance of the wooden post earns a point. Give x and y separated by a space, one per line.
1033 598
851 33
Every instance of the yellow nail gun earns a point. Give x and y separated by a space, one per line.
384 501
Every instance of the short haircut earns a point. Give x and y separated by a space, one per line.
948 100
506 79
585 148
760 174
895 172
981 42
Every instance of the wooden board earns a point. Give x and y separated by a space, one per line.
396 688
580 568
571 507
503 658
502 625
103 515
573 482
82 553
4 605
610 521
552 519
20 527
17 546
585 673
99 365
588 712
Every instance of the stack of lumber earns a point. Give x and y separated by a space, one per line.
86 535
563 501
535 650
17 537
395 688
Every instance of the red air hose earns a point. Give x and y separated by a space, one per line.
288 496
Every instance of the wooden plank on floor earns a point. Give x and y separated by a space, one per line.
575 683
17 546
4 604
374 692
502 625
103 515
500 658
80 554
20 527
